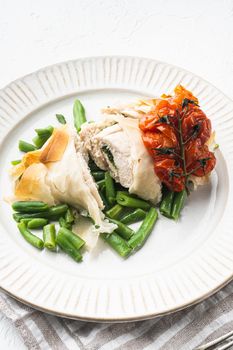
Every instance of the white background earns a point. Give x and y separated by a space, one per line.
194 34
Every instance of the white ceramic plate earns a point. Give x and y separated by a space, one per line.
181 263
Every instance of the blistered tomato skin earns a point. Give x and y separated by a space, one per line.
170 174
195 125
199 160
162 108
175 133
162 137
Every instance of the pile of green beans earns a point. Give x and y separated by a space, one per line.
125 241
36 215
123 209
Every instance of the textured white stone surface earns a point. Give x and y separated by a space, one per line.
195 34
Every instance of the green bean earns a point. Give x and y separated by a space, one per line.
49 236
135 216
110 189
39 141
166 204
68 247
98 175
115 212
42 136
16 162
79 115
45 131
30 206
122 230
26 147
63 223
104 200
92 166
123 198
140 237
74 239
37 223
61 119
117 243
178 204
56 211
26 221
18 217
53 213
69 217
100 184
29 237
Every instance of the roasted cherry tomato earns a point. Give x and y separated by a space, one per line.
162 109
199 160
195 125
164 137
170 173
161 136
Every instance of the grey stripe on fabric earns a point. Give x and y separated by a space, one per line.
73 335
86 329
147 337
29 340
99 327
74 326
197 325
49 333
112 332
227 327
125 337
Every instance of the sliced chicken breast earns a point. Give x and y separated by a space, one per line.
115 144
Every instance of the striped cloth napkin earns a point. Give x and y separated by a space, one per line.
183 330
